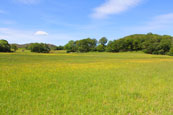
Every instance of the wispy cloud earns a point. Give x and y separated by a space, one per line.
160 22
28 1
113 7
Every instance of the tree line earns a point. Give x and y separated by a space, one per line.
34 47
86 45
148 43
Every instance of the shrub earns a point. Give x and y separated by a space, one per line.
100 48
171 52
14 47
60 48
70 46
39 48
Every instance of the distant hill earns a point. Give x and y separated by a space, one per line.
25 45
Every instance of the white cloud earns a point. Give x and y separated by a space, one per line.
28 1
41 33
113 7
17 36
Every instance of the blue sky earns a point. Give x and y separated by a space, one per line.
58 21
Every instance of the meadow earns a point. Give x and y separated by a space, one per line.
131 83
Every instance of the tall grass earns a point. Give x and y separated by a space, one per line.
86 83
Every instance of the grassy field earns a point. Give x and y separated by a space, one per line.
86 83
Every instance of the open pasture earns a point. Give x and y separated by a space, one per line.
86 83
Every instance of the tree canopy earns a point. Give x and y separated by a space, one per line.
60 47
103 41
84 45
149 43
4 46
39 48
14 47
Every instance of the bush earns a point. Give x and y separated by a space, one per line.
171 52
39 48
4 46
100 48
60 48
70 46
14 47
84 45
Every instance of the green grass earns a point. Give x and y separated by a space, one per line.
86 83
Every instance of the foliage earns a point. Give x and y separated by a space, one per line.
4 46
84 45
110 47
39 48
100 48
103 41
171 49
60 48
171 52
149 43
70 46
52 47
14 47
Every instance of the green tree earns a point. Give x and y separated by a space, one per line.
109 47
100 48
14 47
149 43
60 48
70 46
103 41
39 48
171 49
84 45
171 52
4 46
